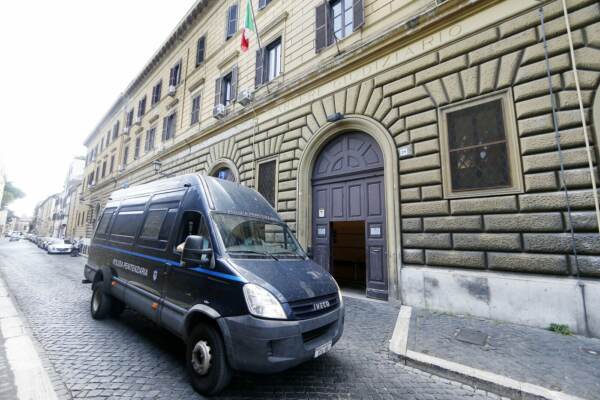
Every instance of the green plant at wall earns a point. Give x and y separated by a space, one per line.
11 193
560 328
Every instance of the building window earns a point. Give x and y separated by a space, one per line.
129 119
231 22
141 107
107 138
125 155
263 3
112 164
267 180
169 127
175 75
226 89
136 152
150 136
103 169
224 173
200 50
268 62
116 130
479 148
156 93
337 19
195 109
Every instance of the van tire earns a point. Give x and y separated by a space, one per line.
219 372
101 303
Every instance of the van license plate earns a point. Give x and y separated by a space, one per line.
322 349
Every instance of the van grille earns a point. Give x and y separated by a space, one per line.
309 308
316 333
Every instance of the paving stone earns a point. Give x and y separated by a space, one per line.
131 358
531 355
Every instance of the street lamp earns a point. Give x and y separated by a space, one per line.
157 164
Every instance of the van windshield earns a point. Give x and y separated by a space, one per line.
249 237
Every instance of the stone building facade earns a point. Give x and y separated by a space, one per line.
420 134
45 216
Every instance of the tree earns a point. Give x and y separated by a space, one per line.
11 193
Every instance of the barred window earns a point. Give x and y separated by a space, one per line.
267 180
479 148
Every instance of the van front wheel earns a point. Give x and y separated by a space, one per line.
101 302
206 360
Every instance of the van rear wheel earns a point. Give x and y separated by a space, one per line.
101 302
206 360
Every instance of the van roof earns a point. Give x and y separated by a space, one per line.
159 185
223 196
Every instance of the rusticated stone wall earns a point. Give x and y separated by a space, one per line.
525 232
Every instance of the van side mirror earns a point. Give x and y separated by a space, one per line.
194 251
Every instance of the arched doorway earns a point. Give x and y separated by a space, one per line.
348 213
225 169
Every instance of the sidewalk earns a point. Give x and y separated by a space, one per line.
25 372
508 359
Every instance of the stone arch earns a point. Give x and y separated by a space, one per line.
596 121
224 163
391 181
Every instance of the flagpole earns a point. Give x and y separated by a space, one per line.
255 26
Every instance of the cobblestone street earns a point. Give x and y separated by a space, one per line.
131 357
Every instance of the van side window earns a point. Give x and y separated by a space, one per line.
192 223
104 222
126 224
158 225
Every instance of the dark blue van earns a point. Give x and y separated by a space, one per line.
211 261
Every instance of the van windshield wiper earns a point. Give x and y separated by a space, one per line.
264 253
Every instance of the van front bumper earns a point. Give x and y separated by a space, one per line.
268 346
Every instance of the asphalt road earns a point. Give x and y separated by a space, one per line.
131 357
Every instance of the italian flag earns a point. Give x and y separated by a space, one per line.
248 26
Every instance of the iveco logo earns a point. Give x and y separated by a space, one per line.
321 305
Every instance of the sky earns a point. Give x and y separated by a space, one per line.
63 63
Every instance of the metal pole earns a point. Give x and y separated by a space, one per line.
562 168
582 112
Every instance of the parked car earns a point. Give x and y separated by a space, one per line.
14 238
60 246
211 261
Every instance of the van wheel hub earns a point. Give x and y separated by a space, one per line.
201 358
96 299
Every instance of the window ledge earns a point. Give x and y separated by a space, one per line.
228 59
273 24
196 85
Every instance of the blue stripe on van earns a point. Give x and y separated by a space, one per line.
172 263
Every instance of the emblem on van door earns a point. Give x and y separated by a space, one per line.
155 275
321 305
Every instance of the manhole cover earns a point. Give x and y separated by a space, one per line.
594 352
472 336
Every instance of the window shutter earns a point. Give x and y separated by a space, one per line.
217 95
260 67
232 20
323 30
164 131
359 13
234 83
200 50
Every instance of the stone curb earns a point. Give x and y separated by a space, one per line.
481 379
15 326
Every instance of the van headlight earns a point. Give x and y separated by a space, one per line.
262 303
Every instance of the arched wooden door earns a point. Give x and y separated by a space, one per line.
347 185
